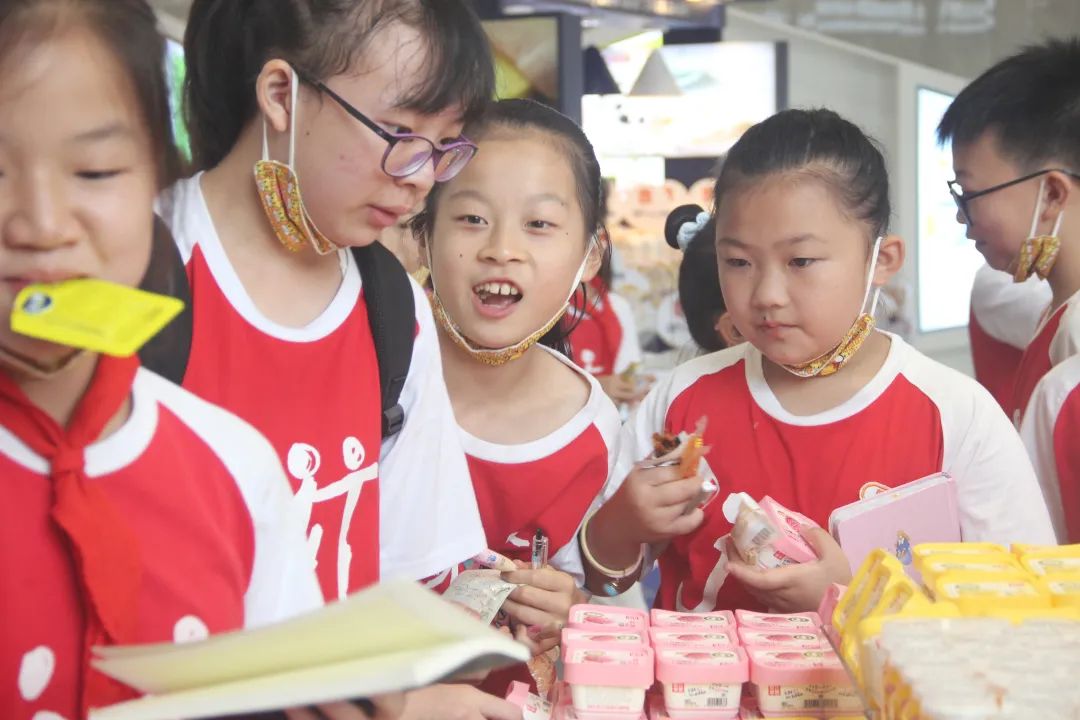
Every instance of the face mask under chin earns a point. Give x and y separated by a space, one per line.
831 361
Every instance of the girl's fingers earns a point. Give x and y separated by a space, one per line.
527 615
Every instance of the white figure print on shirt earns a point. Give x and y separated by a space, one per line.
588 359
35 673
514 540
38 666
303 463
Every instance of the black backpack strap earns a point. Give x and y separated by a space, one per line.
167 352
392 315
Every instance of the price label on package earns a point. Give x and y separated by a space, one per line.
481 592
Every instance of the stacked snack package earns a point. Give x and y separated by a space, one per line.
622 664
991 634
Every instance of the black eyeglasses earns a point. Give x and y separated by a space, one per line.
962 199
407 153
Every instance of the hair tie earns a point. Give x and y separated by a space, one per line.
683 224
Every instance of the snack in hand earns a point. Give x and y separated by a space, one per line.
665 443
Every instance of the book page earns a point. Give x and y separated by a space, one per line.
353 679
394 618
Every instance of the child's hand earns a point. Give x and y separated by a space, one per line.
794 588
457 702
387 707
653 501
541 606
623 390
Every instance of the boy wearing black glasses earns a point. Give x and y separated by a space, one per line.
1015 133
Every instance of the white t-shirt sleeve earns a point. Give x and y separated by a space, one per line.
629 351
1008 311
283 581
1040 431
1066 342
999 497
428 518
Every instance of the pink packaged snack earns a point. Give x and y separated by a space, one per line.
601 617
796 622
602 637
767 534
827 610
533 707
669 618
701 682
800 682
704 637
781 639
606 683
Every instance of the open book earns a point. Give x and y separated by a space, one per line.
918 512
394 636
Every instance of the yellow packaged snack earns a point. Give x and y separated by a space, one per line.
1064 589
976 593
1018 616
1051 561
858 586
93 315
1021 549
874 584
971 548
931 567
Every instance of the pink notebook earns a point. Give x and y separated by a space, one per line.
899 519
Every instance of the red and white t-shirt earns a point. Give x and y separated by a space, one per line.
1057 338
548 484
222 544
914 418
604 339
400 509
1004 316
1051 432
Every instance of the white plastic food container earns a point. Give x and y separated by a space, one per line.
608 683
795 681
701 682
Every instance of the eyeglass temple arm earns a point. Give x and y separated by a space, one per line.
349 108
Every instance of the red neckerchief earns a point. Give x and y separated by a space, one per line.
103 547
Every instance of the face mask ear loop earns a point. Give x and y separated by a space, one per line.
266 143
1038 211
294 117
870 278
1057 223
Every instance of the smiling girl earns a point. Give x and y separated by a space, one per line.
506 259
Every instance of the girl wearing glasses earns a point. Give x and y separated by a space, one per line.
315 126
817 408
507 259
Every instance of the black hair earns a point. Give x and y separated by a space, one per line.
128 28
1031 101
699 289
699 277
816 143
227 42
530 116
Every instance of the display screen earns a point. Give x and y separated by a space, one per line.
175 69
687 101
947 260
